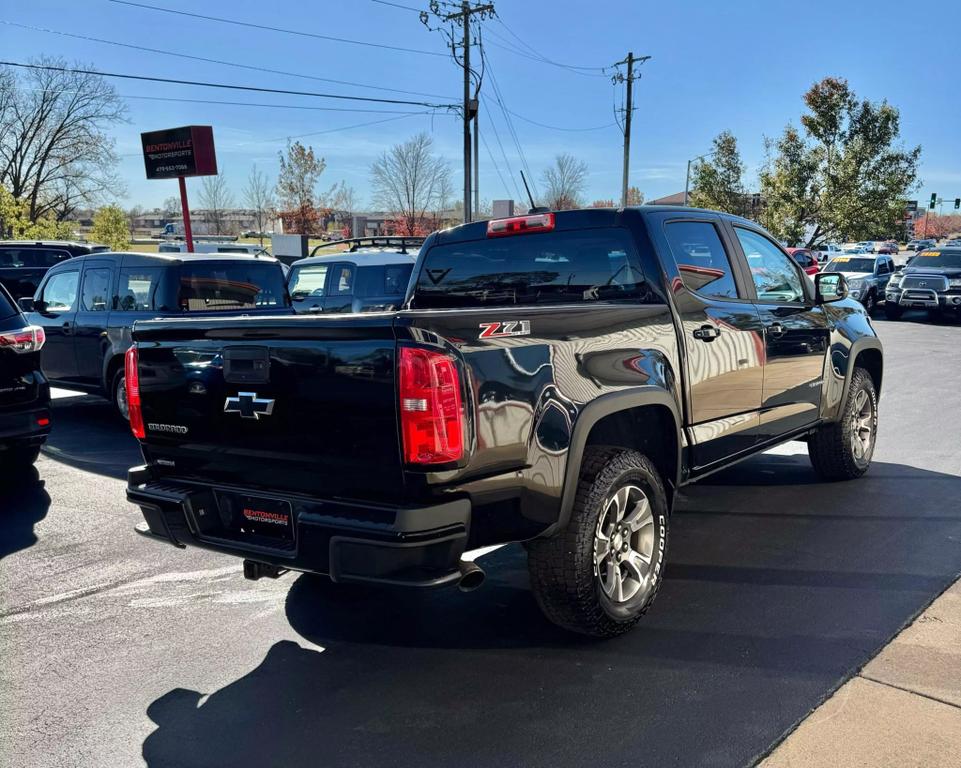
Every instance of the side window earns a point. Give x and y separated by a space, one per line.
308 281
701 259
95 296
396 277
11 257
44 259
341 280
137 290
60 292
884 268
775 276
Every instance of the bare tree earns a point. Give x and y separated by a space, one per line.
408 180
342 198
260 198
216 198
171 207
564 183
54 150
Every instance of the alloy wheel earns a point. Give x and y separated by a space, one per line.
862 426
624 544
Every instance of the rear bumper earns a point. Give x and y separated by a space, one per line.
403 545
24 428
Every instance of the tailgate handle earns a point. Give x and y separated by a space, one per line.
246 365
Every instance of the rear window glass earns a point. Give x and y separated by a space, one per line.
7 309
597 265
226 286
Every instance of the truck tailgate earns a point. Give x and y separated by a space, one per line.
307 404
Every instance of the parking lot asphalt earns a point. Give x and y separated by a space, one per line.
117 651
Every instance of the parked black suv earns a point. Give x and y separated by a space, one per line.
370 276
24 263
551 378
24 392
931 281
87 306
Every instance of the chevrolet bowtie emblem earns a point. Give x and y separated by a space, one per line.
248 405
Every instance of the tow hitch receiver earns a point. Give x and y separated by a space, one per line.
254 570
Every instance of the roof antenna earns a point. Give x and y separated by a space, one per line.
534 206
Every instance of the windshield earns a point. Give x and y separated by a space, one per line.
231 285
938 259
850 264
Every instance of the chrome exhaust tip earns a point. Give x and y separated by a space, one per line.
471 576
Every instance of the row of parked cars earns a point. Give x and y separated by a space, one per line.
79 302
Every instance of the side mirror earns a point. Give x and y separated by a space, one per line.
829 287
26 304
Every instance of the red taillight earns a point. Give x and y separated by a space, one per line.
29 339
520 225
43 422
132 383
431 414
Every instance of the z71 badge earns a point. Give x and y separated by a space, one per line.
508 328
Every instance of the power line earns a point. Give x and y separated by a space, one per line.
215 61
299 32
494 163
507 164
397 5
342 128
510 47
558 127
541 55
239 103
204 84
507 119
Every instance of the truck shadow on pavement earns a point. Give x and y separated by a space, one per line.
778 589
24 502
88 434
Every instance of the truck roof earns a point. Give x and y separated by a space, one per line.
145 259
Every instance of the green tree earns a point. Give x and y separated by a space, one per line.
717 183
110 228
843 175
15 221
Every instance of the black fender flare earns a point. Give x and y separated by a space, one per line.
592 413
859 346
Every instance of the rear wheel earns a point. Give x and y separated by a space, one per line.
601 574
842 450
120 395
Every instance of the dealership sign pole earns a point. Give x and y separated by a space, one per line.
177 153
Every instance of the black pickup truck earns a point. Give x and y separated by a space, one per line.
551 379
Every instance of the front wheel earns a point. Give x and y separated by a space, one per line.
601 573
870 302
842 450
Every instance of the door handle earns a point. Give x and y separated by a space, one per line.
707 333
66 328
775 329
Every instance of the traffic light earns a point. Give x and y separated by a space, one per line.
957 203
934 200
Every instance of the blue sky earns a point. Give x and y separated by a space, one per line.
741 66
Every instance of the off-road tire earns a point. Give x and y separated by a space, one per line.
831 447
562 569
892 311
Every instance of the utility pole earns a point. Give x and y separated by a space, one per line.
463 16
628 110
476 163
